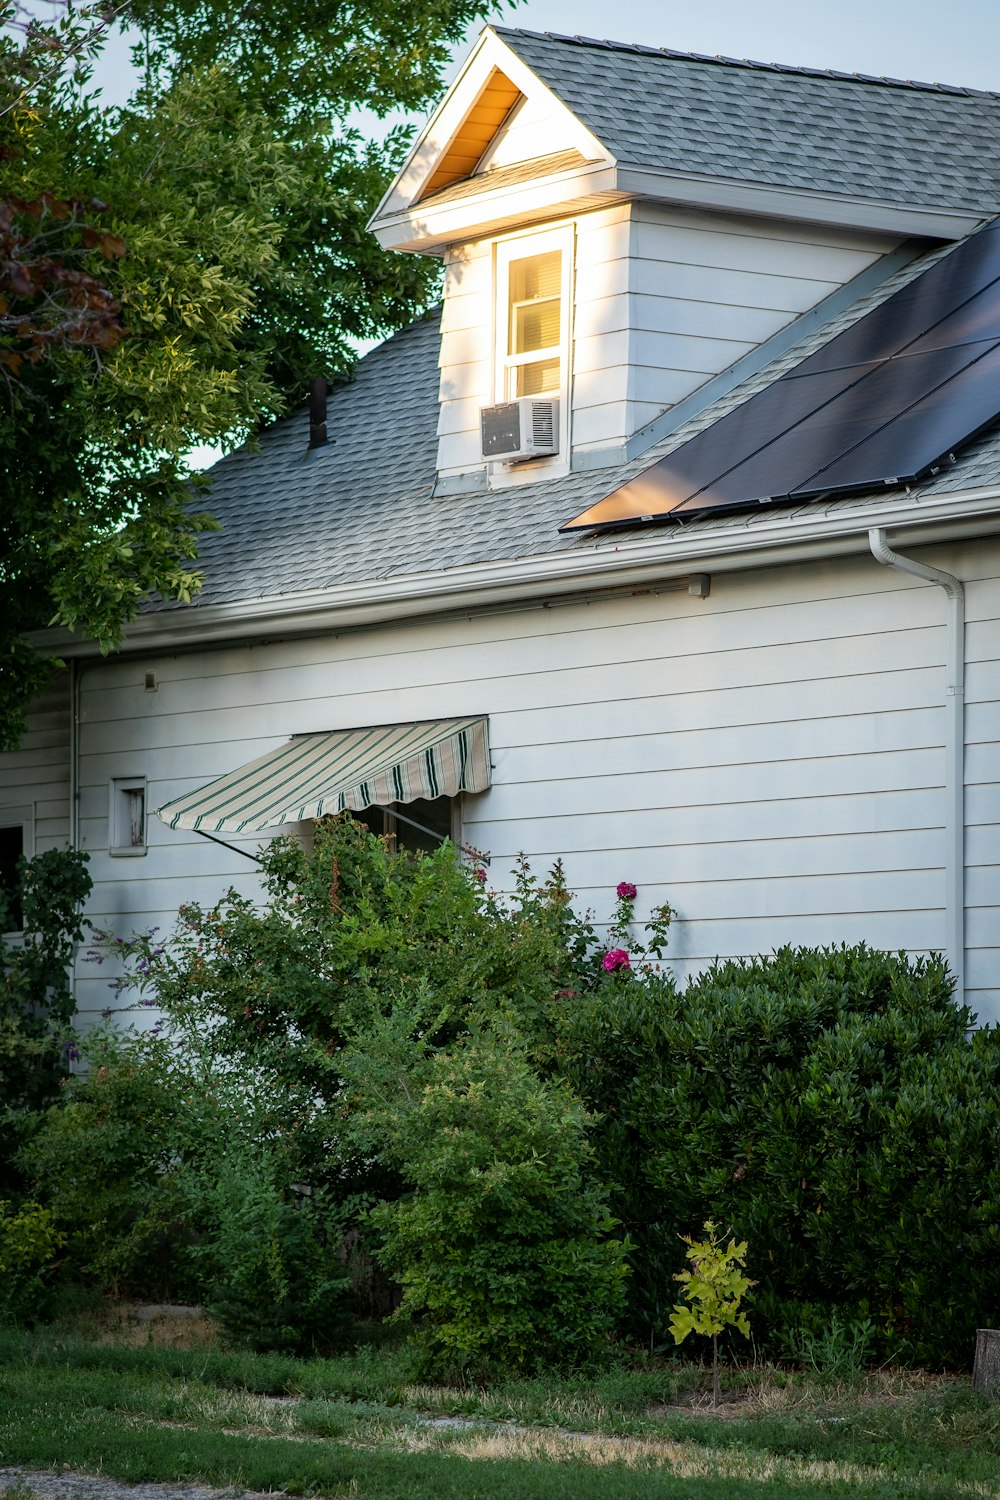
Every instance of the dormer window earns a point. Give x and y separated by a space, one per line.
534 340
532 320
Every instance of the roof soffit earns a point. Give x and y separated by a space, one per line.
492 82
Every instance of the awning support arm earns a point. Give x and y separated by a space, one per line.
223 845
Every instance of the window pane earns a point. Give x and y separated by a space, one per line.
539 377
536 276
434 814
535 325
535 303
135 814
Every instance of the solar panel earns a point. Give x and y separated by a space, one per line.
921 438
736 437
886 400
915 309
790 464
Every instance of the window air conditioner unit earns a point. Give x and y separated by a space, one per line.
516 430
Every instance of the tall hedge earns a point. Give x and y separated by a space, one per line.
831 1106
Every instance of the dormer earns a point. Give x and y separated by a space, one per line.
625 235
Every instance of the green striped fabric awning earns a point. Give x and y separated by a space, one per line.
316 774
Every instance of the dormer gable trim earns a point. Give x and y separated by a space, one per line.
492 83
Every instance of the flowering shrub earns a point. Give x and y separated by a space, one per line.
251 1135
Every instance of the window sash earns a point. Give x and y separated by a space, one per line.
539 263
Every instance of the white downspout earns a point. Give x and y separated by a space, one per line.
954 775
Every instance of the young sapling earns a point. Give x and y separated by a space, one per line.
714 1288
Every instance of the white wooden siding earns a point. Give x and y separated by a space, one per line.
770 759
36 775
663 301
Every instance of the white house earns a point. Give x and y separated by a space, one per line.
758 676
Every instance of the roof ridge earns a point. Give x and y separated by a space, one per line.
799 70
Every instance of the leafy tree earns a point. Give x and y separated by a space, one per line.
174 273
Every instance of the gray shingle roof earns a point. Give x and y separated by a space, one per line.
364 508
816 130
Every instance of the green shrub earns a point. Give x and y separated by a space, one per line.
172 1183
503 1243
105 1160
271 1262
827 1104
29 1244
830 1106
840 1351
264 1000
36 1002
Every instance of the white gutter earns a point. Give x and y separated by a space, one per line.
954 778
611 561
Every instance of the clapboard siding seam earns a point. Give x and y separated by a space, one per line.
680 218
225 714
799 274
589 702
250 705
652 654
774 802
730 727
699 734
777 838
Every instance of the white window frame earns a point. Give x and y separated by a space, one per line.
23 818
120 845
505 364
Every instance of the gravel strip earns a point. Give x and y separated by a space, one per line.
69 1486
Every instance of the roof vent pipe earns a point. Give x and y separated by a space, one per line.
317 413
954 775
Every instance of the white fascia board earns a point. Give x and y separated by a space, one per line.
446 122
555 196
801 204
610 562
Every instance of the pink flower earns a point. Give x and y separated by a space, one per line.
626 891
616 959
480 875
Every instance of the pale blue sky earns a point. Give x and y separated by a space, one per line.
956 42
923 39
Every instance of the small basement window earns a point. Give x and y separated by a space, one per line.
127 816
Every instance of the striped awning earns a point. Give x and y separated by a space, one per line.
316 774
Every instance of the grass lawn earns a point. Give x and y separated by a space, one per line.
113 1402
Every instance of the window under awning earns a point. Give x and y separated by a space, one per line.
314 775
